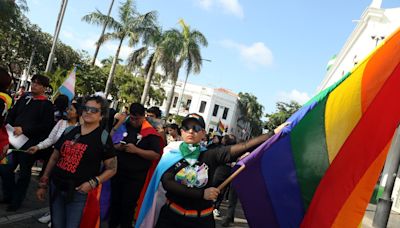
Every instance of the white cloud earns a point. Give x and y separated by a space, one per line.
256 54
228 6
67 34
206 4
294 95
88 44
124 52
232 7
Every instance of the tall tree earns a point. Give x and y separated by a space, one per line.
152 50
251 112
101 35
283 112
130 24
183 49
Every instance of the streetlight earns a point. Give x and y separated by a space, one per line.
183 89
377 39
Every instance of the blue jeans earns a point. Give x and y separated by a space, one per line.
66 213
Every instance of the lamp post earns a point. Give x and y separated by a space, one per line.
377 39
384 204
183 89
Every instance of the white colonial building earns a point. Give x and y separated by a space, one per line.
214 104
374 26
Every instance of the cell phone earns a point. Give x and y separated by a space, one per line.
123 142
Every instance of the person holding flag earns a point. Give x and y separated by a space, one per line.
185 173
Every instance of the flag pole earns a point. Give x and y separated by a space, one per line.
234 174
384 205
231 177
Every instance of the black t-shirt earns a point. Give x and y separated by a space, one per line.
190 196
81 155
132 165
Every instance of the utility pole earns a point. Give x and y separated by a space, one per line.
96 52
384 205
56 33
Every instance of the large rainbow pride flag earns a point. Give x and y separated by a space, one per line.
321 170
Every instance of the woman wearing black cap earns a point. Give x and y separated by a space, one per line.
186 172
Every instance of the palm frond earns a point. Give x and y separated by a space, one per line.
98 18
136 58
108 36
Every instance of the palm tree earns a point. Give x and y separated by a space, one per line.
153 50
131 25
182 48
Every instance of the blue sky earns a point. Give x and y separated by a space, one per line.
276 50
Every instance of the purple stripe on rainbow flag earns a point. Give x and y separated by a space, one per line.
283 189
256 199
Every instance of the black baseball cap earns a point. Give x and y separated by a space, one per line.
194 117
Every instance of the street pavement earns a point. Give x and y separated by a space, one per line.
32 209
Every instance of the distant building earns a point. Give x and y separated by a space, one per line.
374 26
214 104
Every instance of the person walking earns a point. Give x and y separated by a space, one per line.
74 169
31 116
138 144
72 118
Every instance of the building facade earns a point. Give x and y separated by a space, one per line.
374 26
214 104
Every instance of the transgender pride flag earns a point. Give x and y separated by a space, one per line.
68 87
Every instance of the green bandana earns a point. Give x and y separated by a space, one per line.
190 152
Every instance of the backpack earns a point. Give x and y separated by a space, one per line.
104 134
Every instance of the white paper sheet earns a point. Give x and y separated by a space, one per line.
16 141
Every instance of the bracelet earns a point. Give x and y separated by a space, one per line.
94 182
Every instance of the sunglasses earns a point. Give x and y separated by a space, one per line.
89 109
195 128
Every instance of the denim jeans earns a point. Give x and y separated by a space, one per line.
66 213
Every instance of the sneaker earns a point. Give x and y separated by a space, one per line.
45 218
216 213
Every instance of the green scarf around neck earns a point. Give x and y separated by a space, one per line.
190 152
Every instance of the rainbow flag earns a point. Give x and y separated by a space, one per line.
221 127
68 86
321 170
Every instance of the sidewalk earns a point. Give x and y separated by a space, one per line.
32 209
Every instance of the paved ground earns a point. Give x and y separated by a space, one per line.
27 216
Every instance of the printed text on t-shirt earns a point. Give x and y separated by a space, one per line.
71 155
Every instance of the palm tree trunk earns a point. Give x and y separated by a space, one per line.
113 66
171 94
182 94
146 88
101 35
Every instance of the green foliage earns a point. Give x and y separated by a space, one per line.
251 112
57 78
19 39
283 112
